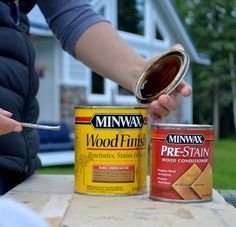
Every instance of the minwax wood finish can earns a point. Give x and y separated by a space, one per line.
181 162
110 150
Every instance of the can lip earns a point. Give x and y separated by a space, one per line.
110 107
185 61
179 201
175 126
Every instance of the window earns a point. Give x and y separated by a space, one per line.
131 16
102 11
158 34
97 84
123 91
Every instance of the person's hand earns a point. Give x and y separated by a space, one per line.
7 124
162 106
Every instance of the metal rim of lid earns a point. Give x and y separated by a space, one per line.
182 126
110 107
185 61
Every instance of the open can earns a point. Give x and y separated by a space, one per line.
162 76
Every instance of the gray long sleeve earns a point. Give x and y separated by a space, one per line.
68 19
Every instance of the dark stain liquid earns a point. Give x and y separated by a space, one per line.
160 76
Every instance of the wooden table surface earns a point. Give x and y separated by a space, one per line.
53 197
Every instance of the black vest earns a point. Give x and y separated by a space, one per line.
18 88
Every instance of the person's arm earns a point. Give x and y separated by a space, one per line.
109 55
68 19
7 124
103 50
90 38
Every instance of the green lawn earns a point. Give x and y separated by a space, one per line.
224 165
67 169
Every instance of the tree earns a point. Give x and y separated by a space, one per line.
212 25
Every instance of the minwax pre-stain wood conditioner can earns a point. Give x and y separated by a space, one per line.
110 150
181 162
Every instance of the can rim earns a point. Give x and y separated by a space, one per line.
175 126
110 107
185 61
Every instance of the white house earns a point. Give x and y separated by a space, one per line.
66 83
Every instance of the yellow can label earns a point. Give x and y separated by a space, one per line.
110 150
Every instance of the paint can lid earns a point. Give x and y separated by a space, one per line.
162 76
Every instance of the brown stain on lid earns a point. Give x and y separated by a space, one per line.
162 76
